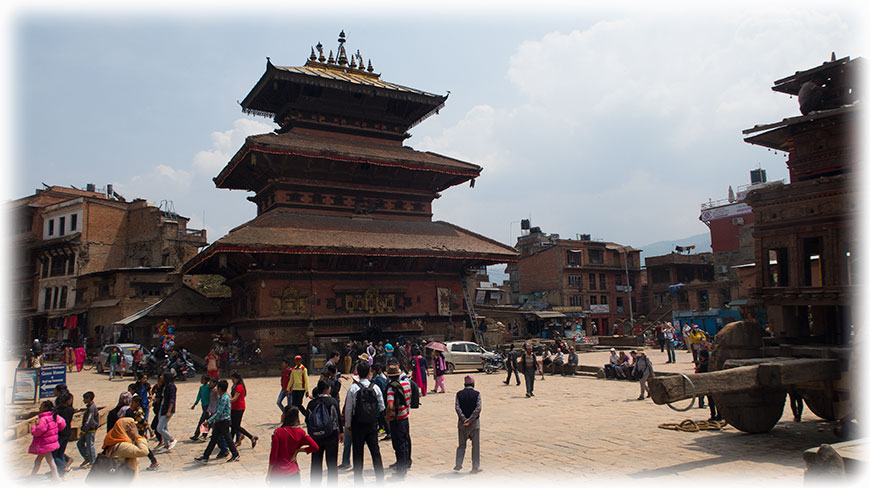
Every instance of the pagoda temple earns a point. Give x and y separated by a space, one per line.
343 245
805 231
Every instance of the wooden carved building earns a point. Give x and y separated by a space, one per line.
805 241
343 245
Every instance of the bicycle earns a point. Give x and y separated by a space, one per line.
90 362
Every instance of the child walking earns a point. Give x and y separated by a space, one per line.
45 438
203 397
90 423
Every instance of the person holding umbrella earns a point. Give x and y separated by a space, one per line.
439 367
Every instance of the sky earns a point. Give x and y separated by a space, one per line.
616 122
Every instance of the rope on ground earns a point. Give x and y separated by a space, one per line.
689 425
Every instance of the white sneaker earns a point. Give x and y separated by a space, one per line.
172 444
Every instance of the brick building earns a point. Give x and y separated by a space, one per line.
343 245
575 280
691 288
85 258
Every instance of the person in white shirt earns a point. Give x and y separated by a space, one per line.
610 367
363 429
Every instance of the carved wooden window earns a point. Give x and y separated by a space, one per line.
777 267
812 261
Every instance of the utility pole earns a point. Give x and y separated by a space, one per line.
628 284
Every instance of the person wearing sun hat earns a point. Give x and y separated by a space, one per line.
468 407
398 409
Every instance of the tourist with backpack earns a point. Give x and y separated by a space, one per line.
362 405
398 410
324 426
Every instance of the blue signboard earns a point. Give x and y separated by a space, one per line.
49 377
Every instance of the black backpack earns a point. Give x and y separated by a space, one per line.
320 422
415 395
366 408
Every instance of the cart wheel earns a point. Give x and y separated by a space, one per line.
820 404
754 412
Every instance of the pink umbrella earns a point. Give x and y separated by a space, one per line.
437 346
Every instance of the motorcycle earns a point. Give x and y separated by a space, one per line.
493 363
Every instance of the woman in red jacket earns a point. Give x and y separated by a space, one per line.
287 441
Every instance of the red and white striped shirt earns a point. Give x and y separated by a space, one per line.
400 412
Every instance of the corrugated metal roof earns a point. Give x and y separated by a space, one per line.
136 316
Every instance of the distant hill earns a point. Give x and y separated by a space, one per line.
701 242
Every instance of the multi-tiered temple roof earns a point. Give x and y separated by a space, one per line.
335 179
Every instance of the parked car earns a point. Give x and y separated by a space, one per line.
465 355
126 366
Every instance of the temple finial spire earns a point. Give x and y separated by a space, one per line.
341 54
312 57
370 69
331 59
320 58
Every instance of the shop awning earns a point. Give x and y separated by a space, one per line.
105 303
136 316
547 314
737 303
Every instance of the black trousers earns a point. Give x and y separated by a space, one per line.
202 418
512 370
328 447
296 397
221 428
366 435
236 429
401 444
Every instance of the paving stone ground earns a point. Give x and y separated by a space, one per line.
575 428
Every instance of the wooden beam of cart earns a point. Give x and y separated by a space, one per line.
744 374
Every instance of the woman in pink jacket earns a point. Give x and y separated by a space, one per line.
45 438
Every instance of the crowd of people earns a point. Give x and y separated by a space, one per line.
386 384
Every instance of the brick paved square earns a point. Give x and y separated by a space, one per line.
575 428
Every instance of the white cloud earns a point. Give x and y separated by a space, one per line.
176 176
226 143
630 120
